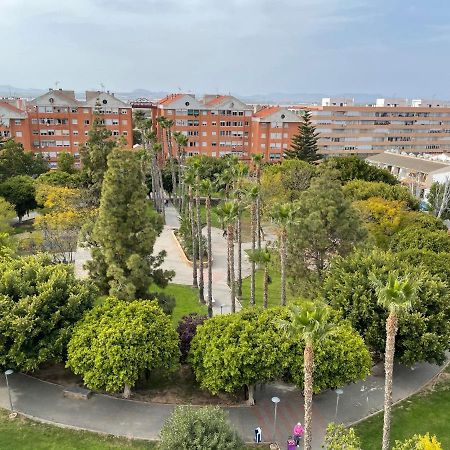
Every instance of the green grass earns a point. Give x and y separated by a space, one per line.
23 434
421 413
274 288
186 300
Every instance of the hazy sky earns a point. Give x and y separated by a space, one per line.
391 47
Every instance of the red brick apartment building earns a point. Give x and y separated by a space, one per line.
58 122
215 126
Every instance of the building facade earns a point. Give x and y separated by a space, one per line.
58 122
417 126
216 125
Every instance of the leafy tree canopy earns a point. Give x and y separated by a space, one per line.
19 191
420 238
15 161
355 168
419 442
284 182
339 437
232 351
326 225
66 162
423 333
116 342
363 190
204 428
59 178
39 304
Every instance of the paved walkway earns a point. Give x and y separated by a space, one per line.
183 271
144 420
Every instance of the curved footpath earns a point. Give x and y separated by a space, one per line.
135 419
45 401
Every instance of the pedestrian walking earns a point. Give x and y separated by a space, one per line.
298 433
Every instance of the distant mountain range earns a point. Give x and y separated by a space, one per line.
273 97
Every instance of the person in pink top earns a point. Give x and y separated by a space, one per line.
298 433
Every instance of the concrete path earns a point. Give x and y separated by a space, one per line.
105 414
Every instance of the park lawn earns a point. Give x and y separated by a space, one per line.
424 412
24 434
24 227
274 289
186 300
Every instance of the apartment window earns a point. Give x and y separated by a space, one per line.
86 122
125 133
263 146
18 134
124 122
204 133
275 135
213 144
86 133
169 112
124 111
34 121
74 110
17 122
193 144
76 144
213 153
263 135
115 133
86 110
203 144
248 113
74 121
285 135
192 133
284 145
213 133
213 123
35 132
285 125
205 112
65 132
204 123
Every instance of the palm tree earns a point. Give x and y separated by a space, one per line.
253 195
257 160
309 322
168 127
396 296
207 187
182 142
283 215
262 258
189 179
227 213
196 168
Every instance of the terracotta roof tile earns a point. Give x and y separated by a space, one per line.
168 99
267 111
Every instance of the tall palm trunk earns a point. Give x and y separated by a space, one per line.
253 266
258 222
172 166
201 284
266 285
208 226
230 235
308 357
239 255
391 331
283 265
193 235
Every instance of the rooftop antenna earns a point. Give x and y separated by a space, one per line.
102 86
56 85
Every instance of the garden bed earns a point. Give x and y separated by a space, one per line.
177 389
183 253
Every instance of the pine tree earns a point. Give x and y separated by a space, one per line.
94 157
304 144
125 232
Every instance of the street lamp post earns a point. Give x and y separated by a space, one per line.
339 392
7 373
221 309
275 401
